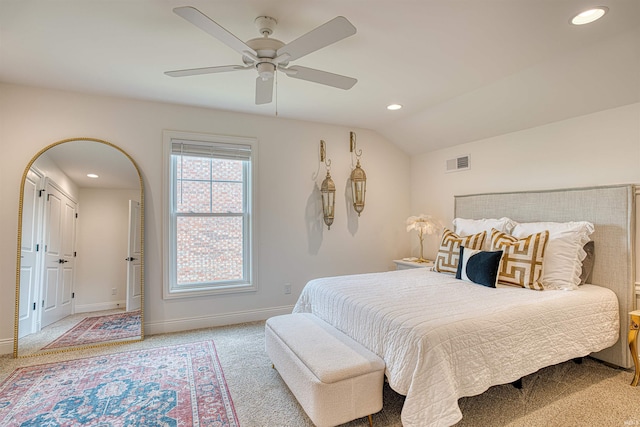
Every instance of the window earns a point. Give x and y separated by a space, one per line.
208 214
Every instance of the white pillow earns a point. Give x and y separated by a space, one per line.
564 253
467 227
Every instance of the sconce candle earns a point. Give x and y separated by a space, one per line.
358 177
328 190
358 187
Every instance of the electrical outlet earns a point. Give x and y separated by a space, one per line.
287 288
114 291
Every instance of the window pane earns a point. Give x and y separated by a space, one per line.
226 170
193 196
209 249
193 168
227 197
206 185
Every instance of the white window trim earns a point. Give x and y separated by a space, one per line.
167 292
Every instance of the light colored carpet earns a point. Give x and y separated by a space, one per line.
590 394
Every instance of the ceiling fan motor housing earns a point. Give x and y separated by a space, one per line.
266 49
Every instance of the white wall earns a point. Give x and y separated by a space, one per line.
101 243
293 247
596 149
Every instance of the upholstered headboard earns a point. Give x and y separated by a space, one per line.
612 211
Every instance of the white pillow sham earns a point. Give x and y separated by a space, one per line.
564 253
467 227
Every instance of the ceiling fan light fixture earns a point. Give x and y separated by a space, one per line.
589 16
266 70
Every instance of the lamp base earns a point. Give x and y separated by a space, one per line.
422 260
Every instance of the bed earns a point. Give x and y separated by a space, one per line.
442 338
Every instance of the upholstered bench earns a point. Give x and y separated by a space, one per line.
334 378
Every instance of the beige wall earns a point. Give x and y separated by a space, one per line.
293 247
596 149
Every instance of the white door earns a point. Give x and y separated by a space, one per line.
57 285
29 255
134 256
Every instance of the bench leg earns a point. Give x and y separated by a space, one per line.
634 326
370 421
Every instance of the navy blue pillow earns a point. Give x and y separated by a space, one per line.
479 267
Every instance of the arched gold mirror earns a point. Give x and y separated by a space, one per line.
80 258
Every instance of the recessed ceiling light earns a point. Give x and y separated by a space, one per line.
92 175
589 16
394 107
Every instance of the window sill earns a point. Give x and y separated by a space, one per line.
216 290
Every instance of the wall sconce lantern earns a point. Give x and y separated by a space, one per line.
358 177
328 189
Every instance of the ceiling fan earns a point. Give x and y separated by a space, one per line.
267 55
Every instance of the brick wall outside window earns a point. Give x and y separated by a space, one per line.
209 248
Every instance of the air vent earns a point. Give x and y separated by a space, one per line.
458 164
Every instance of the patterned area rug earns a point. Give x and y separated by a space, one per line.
181 385
91 330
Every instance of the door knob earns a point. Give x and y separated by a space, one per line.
130 259
62 261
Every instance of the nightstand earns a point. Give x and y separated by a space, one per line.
402 264
633 343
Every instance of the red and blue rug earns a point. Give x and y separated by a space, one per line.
98 329
180 385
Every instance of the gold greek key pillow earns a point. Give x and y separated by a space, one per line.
449 252
521 263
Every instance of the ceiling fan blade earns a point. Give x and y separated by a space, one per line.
322 77
264 90
335 30
211 27
206 70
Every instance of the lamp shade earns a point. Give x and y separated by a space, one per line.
358 187
328 190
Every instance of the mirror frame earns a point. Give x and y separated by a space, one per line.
19 249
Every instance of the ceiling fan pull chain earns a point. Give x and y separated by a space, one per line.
275 76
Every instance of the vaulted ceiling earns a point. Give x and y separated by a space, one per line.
463 69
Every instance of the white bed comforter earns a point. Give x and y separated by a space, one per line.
443 339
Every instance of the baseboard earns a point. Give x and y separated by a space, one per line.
111 305
189 323
6 346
